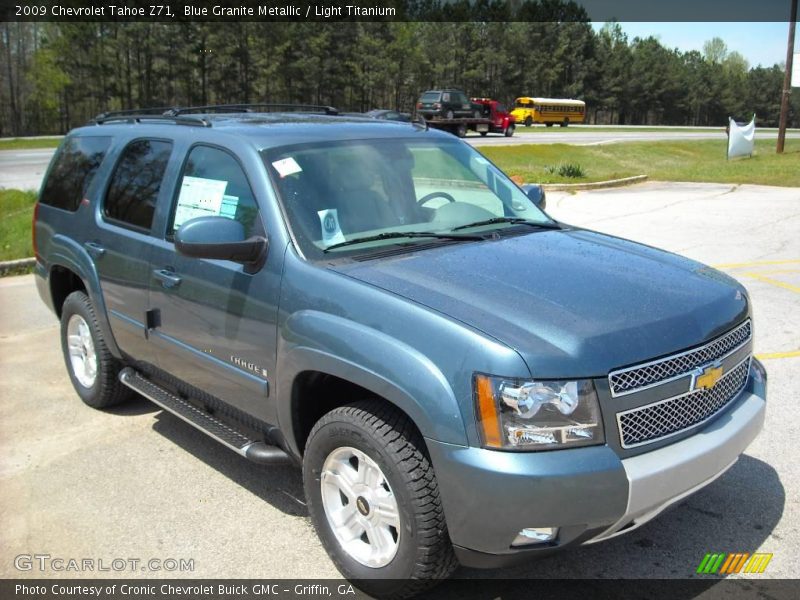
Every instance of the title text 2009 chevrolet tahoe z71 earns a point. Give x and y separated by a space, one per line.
461 377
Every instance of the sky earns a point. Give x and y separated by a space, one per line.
759 43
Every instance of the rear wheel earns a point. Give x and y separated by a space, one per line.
476 114
461 130
483 133
548 124
92 368
565 123
373 499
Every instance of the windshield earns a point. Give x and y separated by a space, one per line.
523 103
430 97
337 192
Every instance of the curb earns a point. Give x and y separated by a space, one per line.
7 266
597 185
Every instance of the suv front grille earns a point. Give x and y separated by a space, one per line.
633 379
656 421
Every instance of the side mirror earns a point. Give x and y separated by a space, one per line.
219 238
535 192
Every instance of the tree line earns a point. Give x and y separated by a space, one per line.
54 76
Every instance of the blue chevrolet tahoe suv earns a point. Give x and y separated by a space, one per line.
462 378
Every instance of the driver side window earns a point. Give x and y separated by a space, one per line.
214 184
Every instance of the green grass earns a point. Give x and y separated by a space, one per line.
16 212
29 143
521 129
693 160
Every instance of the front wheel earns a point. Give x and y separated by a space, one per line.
373 499
528 121
509 131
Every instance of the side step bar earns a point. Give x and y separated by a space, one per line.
222 432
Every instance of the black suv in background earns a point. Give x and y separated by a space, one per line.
447 104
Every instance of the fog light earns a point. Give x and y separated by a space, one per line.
535 535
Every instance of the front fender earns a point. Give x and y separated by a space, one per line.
67 253
317 341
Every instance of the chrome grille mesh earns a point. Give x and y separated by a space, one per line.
626 381
650 423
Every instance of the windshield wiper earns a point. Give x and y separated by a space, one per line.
404 234
512 220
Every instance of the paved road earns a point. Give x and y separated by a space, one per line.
136 482
585 136
24 169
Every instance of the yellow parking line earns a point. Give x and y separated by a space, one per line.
771 355
775 282
756 263
777 271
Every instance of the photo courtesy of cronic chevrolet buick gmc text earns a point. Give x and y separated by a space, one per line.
462 378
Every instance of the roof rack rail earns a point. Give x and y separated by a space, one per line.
137 117
252 108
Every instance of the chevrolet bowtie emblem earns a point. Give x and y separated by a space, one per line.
706 377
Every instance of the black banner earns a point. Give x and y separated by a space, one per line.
394 10
709 588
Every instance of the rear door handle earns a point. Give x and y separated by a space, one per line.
94 249
167 278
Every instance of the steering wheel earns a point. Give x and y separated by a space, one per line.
428 197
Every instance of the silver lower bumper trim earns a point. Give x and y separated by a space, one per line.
665 476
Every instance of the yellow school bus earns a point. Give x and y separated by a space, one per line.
548 111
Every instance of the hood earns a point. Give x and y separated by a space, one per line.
572 303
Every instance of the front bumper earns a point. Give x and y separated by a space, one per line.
589 493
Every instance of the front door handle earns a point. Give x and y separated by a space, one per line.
94 249
167 278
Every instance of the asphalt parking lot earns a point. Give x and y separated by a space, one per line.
135 482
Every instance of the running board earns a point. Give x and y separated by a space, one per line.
226 435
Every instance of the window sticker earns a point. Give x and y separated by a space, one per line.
286 166
329 222
229 206
199 198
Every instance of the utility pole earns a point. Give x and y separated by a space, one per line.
787 80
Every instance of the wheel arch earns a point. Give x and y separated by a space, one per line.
358 361
70 268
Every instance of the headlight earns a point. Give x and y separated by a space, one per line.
537 415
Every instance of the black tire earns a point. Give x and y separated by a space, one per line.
424 554
448 115
548 124
461 130
476 114
107 389
509 131
483 133
565 123
528 121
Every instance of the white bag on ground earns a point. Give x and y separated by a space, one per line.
741 138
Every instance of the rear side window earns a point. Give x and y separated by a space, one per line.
214 184
73 170
133 191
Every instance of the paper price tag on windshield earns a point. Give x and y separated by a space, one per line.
199 197
286 166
